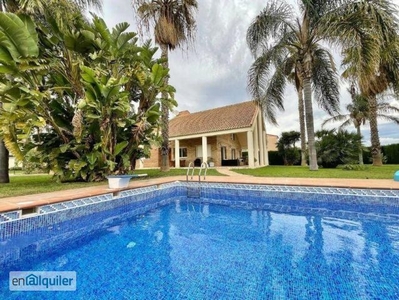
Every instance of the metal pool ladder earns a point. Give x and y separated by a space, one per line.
195 191
204 166
191 165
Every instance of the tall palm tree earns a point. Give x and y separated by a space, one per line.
174 25
359 113
296 78
277 38
35 7
368 33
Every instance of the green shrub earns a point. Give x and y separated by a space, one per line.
392 153
335 148
354 167
287 149
275 159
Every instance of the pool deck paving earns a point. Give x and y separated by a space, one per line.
28 201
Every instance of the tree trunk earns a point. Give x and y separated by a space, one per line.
4 177
375 139
302 126
4 156
165 116
309 124
360 146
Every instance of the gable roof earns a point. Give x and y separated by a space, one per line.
241 115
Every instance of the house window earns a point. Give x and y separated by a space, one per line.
182 152
224 153
198 150
233 153
233 137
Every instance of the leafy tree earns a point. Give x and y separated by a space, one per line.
288 44
80 121
40 6
286 147
359 113
368 34
18 42
173 24
337 147
61 9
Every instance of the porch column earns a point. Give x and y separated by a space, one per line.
177 154
250 142
265 147
261 137
204 149
256 144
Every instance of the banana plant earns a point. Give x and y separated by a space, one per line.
18 48
87 103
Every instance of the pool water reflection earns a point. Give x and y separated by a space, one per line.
188 250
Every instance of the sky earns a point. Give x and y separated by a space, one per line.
213 72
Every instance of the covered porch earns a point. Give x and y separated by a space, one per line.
238 147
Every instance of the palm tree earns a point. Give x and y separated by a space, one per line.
174 25
277 39
368 33
359 113
35 7
301 110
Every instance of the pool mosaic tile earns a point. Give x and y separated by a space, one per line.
48 215
250 196
277 269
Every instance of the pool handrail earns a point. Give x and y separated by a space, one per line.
204 165
191 164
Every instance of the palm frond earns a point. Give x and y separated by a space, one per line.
384 107
316 9
346 124
272 23
365 29
337 118
273 99
389 118
265 87
325 81
258 76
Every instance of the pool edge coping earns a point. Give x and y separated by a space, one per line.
29 201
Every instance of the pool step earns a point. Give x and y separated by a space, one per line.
193 192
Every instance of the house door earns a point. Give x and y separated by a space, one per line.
223 154
245 156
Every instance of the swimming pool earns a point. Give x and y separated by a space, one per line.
212 241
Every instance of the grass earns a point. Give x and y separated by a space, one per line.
34 184
369 172
22 184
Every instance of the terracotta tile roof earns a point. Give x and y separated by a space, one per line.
234 116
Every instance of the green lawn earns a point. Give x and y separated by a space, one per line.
34 184
370 172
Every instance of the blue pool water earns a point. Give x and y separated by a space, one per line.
197 250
